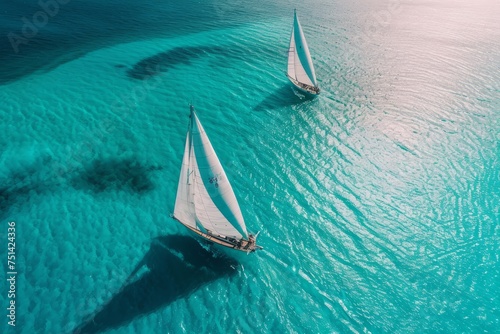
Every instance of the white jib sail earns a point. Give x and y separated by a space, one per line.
300 66
205 199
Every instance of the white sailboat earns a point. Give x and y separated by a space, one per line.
205 201
300 67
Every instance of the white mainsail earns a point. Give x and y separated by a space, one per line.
205 199
300 66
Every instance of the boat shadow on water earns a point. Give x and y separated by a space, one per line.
282 97
177 266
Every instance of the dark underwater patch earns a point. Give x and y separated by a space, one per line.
164 61
39 39
113 174
33 178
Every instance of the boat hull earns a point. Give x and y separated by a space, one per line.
240 245
307 89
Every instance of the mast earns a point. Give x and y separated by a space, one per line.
214 190
300 66
205 201
205 198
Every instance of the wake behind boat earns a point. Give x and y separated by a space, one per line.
300 67
205 201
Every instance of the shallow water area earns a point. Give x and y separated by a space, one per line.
376 202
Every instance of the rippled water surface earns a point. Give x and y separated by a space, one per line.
377 202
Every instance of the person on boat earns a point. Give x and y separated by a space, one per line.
251 241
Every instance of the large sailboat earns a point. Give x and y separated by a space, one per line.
300 67
205 201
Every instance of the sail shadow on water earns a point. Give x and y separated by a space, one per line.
177 266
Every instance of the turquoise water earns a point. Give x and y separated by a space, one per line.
377 202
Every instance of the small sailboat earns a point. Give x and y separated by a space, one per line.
300 67
205 201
